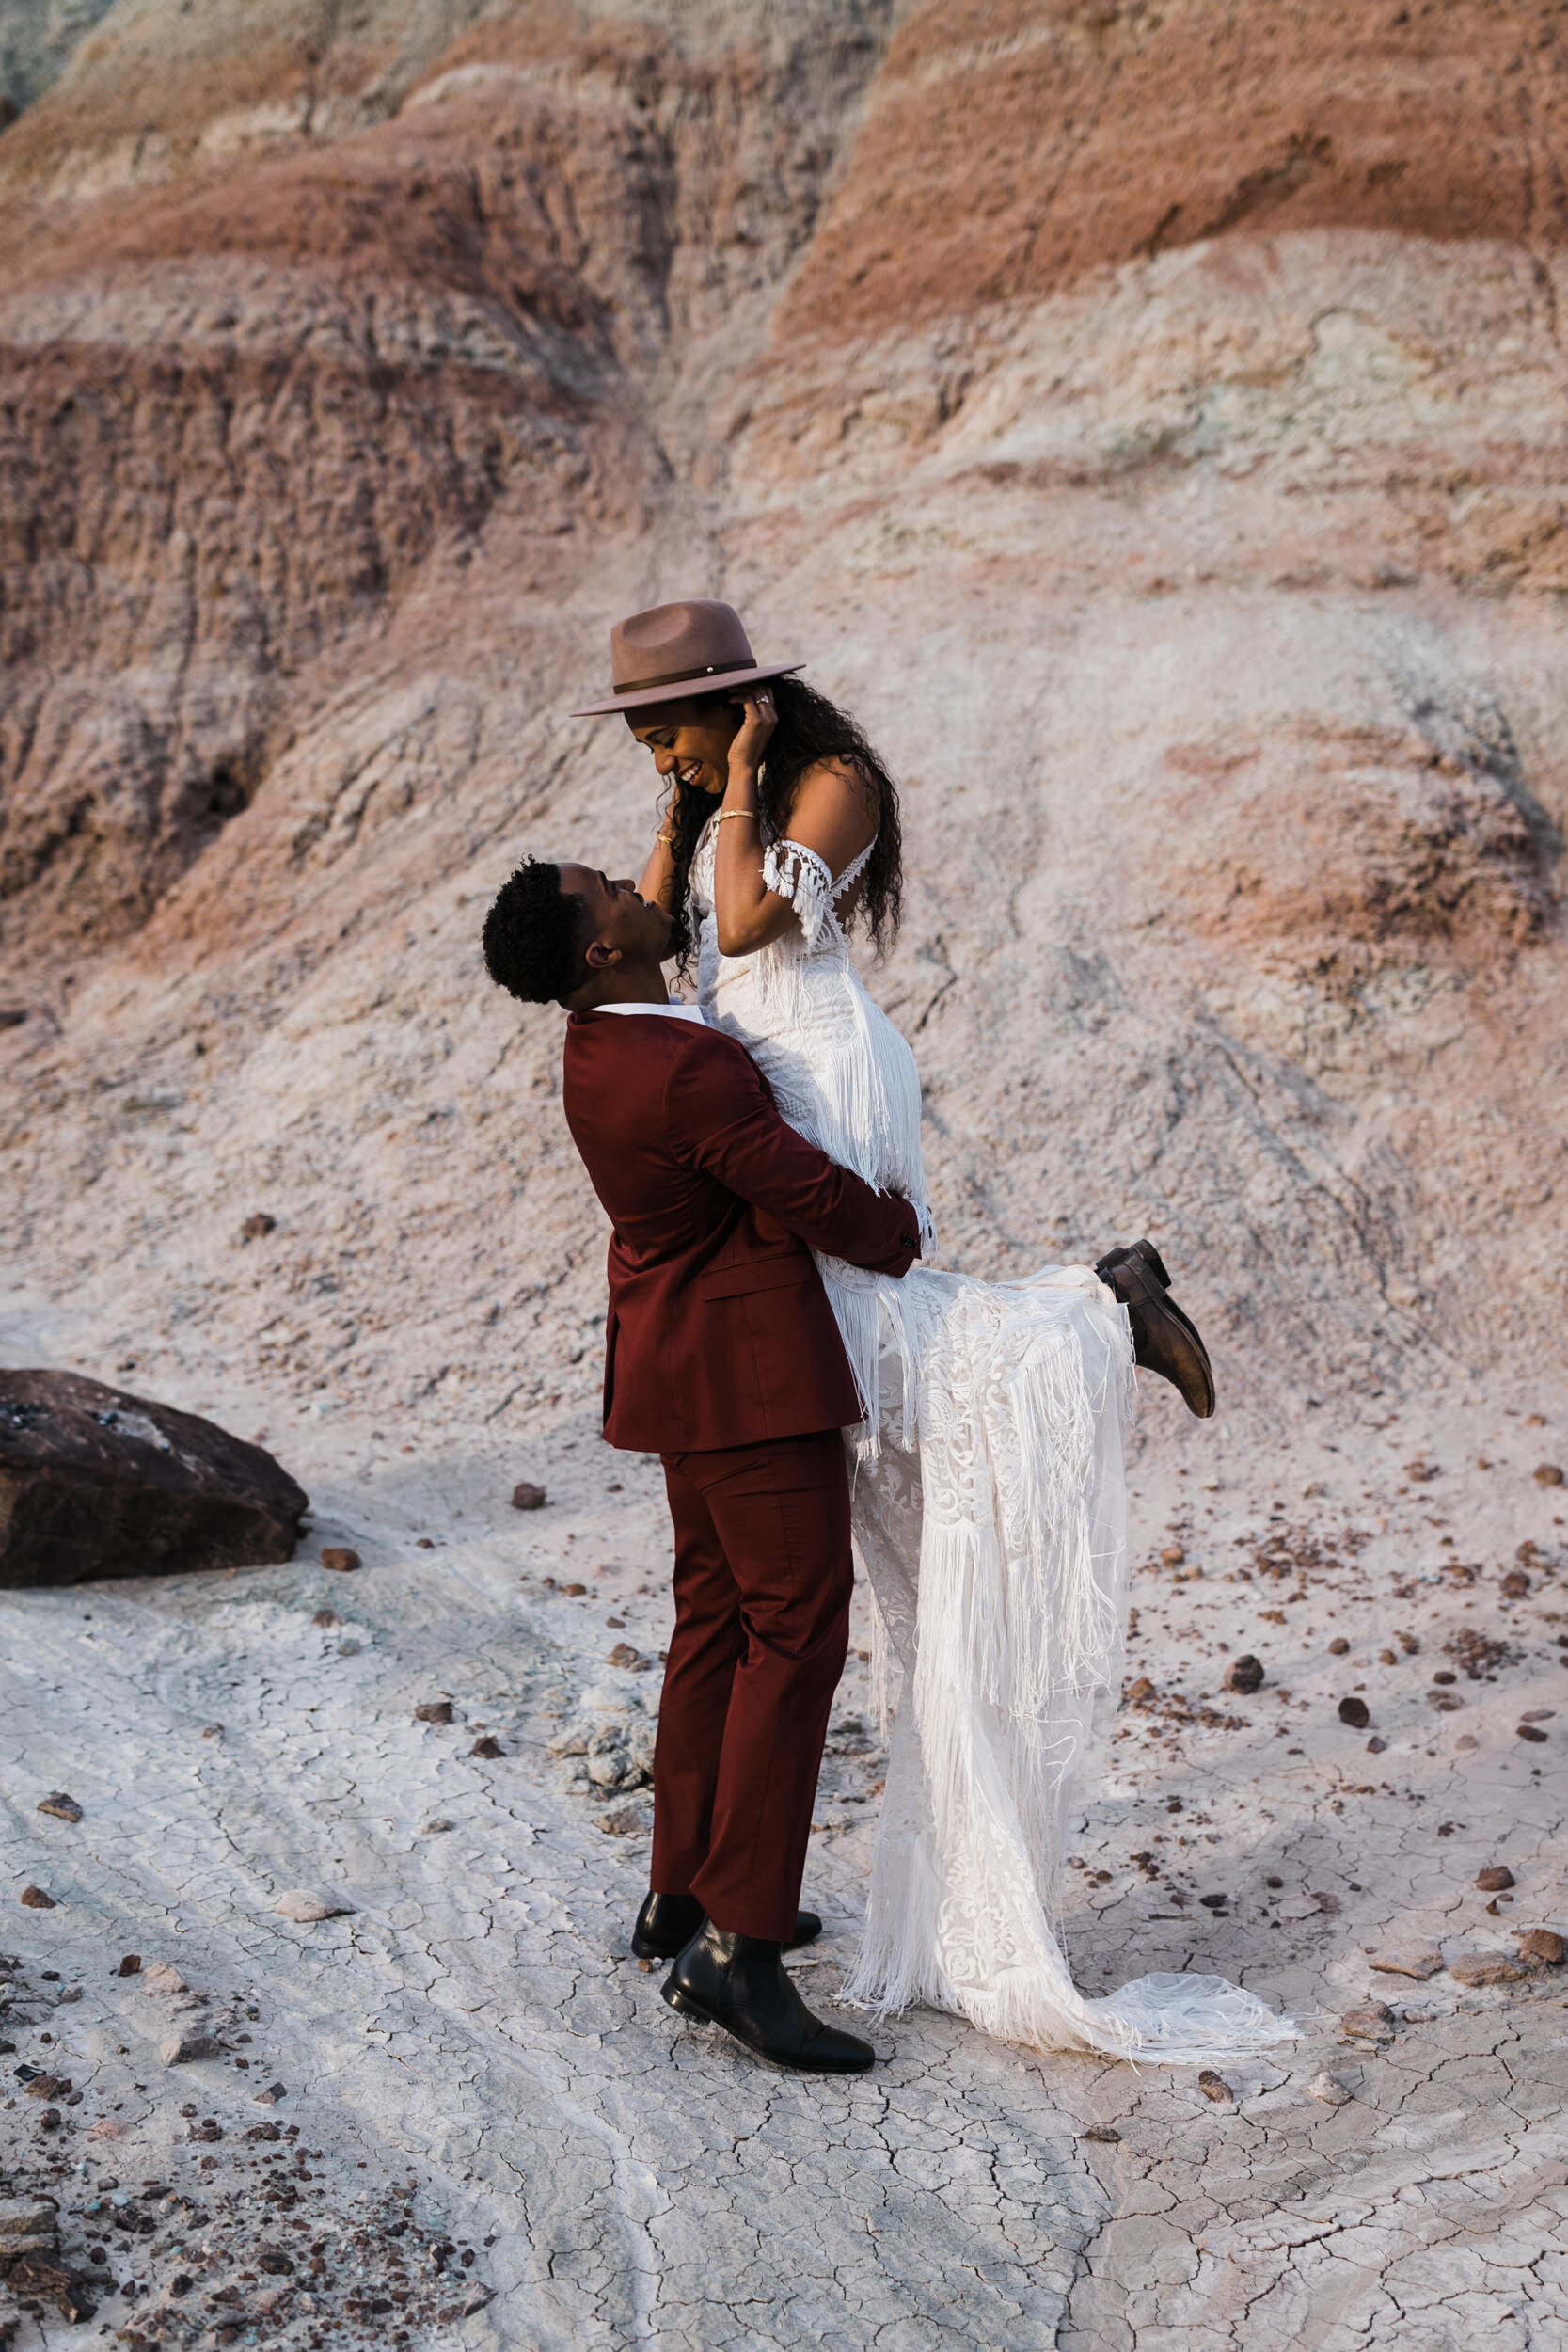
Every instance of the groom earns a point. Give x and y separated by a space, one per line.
722 1357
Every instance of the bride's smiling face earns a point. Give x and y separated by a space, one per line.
689 741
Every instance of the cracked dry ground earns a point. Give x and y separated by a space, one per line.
489 2129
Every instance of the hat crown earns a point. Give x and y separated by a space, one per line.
671 642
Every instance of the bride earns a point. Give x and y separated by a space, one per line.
989 1495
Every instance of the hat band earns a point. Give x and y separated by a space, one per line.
678 677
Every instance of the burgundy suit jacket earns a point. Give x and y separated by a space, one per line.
720 1332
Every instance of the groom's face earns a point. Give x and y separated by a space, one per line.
618 922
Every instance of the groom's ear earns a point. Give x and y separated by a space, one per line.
598 957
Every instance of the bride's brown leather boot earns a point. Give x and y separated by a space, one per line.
1164 1340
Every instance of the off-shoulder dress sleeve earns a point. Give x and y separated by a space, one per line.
794 872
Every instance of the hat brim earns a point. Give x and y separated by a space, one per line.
682 689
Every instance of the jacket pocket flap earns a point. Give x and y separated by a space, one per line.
757 1274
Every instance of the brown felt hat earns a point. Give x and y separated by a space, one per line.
674 650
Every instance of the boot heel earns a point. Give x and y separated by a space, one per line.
682 2001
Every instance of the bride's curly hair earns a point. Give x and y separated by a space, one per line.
809 729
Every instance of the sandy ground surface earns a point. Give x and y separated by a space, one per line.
468 2058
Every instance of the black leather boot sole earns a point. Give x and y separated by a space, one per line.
667 1923
739 1982
1164 1339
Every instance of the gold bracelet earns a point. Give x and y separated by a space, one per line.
755 814
666 836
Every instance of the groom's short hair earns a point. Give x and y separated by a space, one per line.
533 935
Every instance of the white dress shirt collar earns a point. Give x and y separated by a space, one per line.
673 1012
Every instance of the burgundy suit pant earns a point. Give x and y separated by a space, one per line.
763 1579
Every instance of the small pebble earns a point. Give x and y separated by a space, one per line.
187 2044
130 1966
340 1557
326 1618
1244 1674
1214 2086
1484 1968
1329 2089
487 1747
1529 1731
1549 1474
434 1711
1356 1712
64 1808
529 1497
1492 1880
1338 1647
34 1899
303 1907
1543 1944
1415 1959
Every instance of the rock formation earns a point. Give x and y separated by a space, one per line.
1152 422
36 39
95 1482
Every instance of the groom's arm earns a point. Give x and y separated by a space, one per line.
722 1119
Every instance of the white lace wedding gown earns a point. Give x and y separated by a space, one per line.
989 1514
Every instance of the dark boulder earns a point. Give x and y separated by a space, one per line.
96 1482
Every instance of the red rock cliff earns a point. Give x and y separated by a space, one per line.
1152 421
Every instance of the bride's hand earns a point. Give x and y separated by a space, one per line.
758 718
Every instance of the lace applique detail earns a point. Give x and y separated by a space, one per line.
853 871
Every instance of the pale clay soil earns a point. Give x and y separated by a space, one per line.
473 2029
